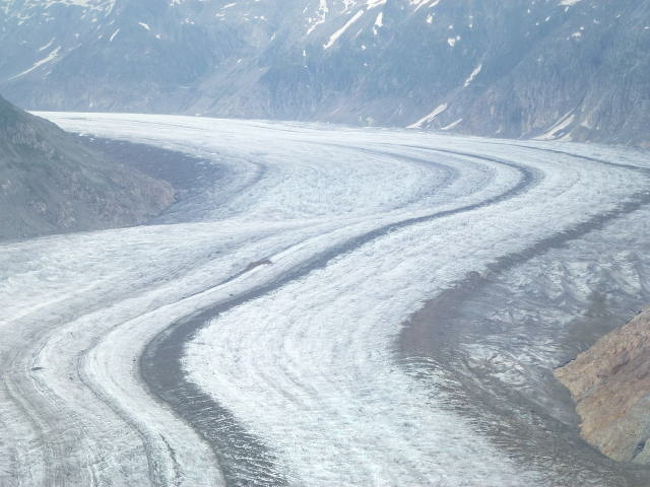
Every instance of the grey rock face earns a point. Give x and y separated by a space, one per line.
51 183
572 69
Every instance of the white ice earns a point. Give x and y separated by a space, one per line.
309 368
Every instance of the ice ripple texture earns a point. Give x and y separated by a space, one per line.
293 277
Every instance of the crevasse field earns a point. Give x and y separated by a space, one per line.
337 307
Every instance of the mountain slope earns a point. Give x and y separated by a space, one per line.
49 182
572 69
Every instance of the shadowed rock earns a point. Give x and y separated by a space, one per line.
52 183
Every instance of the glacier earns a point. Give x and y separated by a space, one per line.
277 303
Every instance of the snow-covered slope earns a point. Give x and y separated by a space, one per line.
260 343
550 69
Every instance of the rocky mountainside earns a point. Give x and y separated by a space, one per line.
610 383
50 182
569 69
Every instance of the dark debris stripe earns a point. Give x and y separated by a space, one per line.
243 458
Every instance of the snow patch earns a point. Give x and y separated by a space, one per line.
337 35
46 46
424 3
323 11
52 56
88 4
556 130
452 125
430 117
473 75
117 31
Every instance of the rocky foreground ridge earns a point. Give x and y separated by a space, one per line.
610 384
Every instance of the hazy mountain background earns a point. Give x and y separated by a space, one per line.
570 69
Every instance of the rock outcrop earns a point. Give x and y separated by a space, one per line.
51 183
610 384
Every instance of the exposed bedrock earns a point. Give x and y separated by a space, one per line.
610 383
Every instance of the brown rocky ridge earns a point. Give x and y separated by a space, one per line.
610 383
